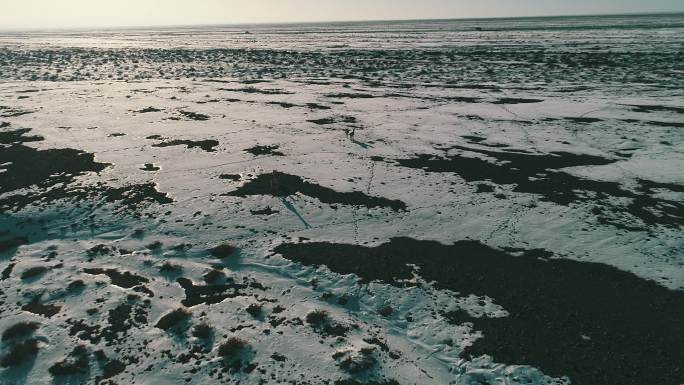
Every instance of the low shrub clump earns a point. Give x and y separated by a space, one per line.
21 329
233 347
203 331
173 319
223 251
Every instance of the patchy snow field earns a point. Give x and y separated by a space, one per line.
476 202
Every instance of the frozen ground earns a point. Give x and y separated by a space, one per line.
508 211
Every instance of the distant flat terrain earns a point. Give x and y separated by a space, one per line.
427 202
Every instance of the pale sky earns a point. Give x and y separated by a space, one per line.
94 13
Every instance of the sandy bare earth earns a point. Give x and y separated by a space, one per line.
189 207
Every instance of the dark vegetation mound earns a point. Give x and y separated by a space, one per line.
77 362
232 347
20 353
44 168
173 319
194 115
52 173
206 145
265 150
279 184
321 321
33 272
45 310
12 243
211 294
542 174
223 251
203 331
571 318
19 330
148 110
125 280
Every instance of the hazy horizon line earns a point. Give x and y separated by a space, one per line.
266 23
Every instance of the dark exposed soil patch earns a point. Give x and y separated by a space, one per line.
20 353
223 251
125 280
12 243
344 95
316 106
265 150
655 108
583 120
584 320
47 311
377 342
173 319
233 177
240 360
123 317
513 168
214 277
194 115
283 104
278 357
279 184
649 187
11 112
356 362
321 321
516 101
232 348
664 124
203 331
20 330
256 310
51 173
254 90
18 136
150 167
322 121
7 271
84 331
265 211
148 110
539 174
33 272
354 382
195 295
462 99
254 81
134 195
77 362
484 188
331 120
113 368
43 168
206 145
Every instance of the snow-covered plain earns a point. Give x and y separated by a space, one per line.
539 140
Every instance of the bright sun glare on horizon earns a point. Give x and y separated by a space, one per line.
86 13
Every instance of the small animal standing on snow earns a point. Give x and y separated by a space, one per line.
350 133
